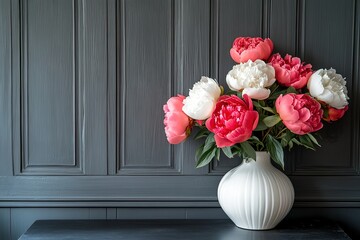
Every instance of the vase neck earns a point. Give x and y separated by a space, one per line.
263 158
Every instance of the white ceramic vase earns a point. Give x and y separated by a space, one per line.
255 195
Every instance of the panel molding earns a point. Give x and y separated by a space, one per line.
352 166
22 166
175 157
6 106
160 188
161 204
338 187
355 93
218 167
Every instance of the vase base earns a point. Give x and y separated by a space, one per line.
255 229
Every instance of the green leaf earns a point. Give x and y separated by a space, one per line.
203 132
206 157
313 139
231 92
291 144
283 142
217 153
296 141
199 151
209 142
286 137
227 151
291 90
248 150
256 104
256 140
261 126
301 144
275 95
275 149
306 142
272 120
269 109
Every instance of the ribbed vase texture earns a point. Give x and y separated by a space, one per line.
256 195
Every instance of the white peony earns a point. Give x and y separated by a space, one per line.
329 87
202 99
252 78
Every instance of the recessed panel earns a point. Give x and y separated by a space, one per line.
328 43
236 19
48 82
146 83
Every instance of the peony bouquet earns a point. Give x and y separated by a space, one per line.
273 102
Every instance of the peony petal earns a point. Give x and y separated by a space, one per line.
270 44
265 48
176 139
282 76
165 108
251 120
238 135
327 96
222 142
177 121
235 55
233 83
285 108
338 102
257 93
230 124
210 123
304 114
294 127
175 103
247 101
315 85
250 54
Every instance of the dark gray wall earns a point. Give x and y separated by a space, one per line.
82 84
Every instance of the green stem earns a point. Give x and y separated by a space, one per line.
282 130
267 133
277 86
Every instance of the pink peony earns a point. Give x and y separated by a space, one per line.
177 123
334 114
247 48
290 71
300 113
233 120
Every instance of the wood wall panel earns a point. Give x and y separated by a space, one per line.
151 213
5 90
67 71
120 50
321 39
97 82
192 57
48 82
283 26
5 230
146 82
234 18
49 85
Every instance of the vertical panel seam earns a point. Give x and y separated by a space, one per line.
214 52
122 77
355 93
11 88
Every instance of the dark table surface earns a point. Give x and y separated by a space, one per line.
176 229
